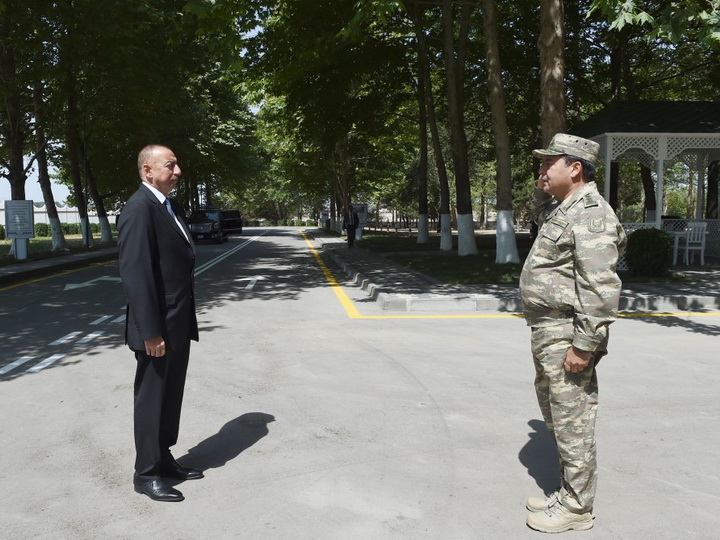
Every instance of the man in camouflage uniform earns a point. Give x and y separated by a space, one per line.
570 293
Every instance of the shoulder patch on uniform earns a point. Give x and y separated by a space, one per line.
596 224
590 200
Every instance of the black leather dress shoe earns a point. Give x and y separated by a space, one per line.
158 490
172 469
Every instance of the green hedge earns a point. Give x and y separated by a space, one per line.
42 229
71 228
649 252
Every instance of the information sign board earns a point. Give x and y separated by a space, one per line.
19 219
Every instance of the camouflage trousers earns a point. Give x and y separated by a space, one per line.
568 402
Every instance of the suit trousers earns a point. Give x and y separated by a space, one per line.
568 402
351 231
159 387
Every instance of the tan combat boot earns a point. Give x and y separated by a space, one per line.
557 519
540 504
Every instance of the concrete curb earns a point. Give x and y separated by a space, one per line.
426 301
631 300
639 302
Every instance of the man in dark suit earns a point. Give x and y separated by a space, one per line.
157 259
351 221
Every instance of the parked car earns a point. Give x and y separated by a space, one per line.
232 222
206 224
214 224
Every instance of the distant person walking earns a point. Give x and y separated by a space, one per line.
351 221
157 258
570 293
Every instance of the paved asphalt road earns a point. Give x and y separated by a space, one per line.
317 415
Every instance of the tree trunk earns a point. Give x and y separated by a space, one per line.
423 236
711 199
690 208
648 188
506 247
74 161
444 210
614 180
552 68
455 74
331 211
56 232
105 231
13 125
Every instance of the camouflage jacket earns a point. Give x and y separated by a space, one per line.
570 272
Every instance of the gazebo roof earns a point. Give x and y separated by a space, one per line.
652 117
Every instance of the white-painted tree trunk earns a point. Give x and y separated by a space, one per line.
58 238
506 247
358 233
466 235
105 231
445 232
423 236
86 233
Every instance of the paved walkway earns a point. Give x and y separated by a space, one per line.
396 287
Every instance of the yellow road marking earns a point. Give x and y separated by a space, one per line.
353 313
350 308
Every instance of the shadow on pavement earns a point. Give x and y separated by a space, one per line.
233 438
540 457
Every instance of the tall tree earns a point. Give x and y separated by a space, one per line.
56 232
15 28
417 9
423 236
506 247
455 55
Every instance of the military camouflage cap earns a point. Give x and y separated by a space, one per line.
564 144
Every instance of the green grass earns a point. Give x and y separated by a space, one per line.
471 269
41 248
447 266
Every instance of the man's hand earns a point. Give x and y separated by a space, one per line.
576 361
155 346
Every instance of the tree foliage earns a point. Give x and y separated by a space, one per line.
670 20
283 106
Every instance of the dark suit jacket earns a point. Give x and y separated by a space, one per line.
156 266
351 220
